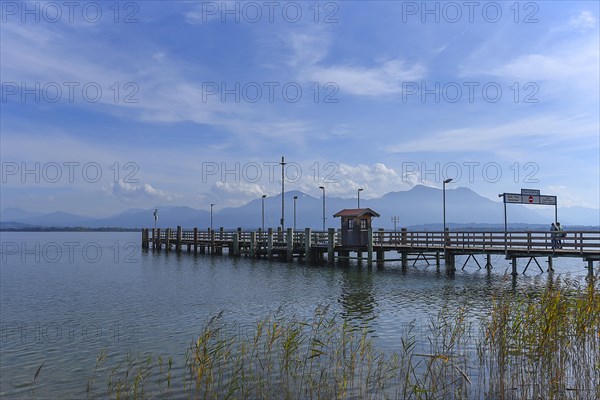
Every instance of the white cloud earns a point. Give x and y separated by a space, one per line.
235 193
584 20
545 129
310 49
167 89
376 180
383 79
341 180
564 66
571 64
139 192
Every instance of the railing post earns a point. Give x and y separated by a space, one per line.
235 249
144 238
403 235
290 244
307 243
168 239
212 240
270 243
331 246
528 241
370 247
449 261
178 240
157 243
380 232
252 244
196 240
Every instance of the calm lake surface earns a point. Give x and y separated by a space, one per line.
65 297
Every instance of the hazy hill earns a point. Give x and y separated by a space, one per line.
420 206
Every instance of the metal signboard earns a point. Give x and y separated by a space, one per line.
530 192
517 198
512 198
548 200
531 199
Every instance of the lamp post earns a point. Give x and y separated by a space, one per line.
358 197
444 200
505 225
263 212
323 189
211 218
295 198
395 220
155 217
282 195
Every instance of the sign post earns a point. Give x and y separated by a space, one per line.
527 196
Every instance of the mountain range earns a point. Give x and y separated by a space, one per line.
420 206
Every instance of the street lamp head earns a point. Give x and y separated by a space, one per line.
360 190
295 197
501 195
448 180
212 204
322 187
264 195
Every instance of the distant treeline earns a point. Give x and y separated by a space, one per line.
67 229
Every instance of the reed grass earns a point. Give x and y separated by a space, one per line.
546 346
541 345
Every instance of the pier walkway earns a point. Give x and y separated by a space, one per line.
405 246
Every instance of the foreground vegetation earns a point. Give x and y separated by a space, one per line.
544 345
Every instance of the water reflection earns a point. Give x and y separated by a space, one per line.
357 298
160 301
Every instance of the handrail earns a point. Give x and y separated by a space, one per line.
576 240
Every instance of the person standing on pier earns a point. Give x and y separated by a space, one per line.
553 235
560 234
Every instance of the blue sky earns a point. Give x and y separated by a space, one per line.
105 108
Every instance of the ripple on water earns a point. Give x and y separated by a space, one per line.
159 302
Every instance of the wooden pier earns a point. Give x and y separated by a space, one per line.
318 247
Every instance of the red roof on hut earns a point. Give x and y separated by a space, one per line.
356 212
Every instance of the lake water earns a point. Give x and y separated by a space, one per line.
65 297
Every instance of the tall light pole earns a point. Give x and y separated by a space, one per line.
444 200
263 212
155 217
211 219
323 189
295 198
282 194
505 225
358 197
395 220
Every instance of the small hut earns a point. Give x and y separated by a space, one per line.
356 223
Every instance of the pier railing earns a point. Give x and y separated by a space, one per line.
315 245
581 241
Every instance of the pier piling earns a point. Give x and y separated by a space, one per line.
314 246
307 244
331 246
